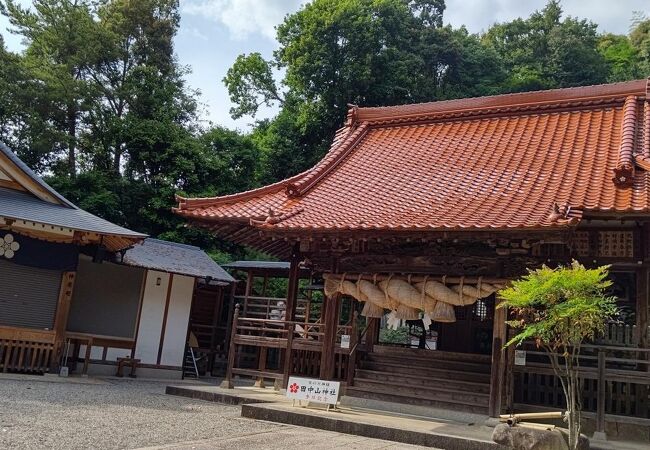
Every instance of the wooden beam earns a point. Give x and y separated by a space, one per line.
26 334
61 316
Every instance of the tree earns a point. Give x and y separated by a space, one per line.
369 52
60 44
546 51
621 56
640 40
234 160
559 309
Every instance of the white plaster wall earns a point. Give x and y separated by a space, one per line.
151 317
178 317
112 354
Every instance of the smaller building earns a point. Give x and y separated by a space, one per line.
76 284
139 306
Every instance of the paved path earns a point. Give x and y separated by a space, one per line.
37 412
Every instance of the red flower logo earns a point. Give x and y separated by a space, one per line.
294 388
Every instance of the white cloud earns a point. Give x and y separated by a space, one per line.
243 17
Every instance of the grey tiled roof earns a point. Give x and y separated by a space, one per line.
177 258
24 206
277 265
30 173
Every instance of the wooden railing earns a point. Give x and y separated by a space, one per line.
621 335
25 351
616 383
259 307
291 338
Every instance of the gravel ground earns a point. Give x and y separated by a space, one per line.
115 414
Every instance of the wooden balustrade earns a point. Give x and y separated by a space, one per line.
616 383
621 334
299 345
262 307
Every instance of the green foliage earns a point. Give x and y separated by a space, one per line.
390 336
621 56
250 84
559 308
546 51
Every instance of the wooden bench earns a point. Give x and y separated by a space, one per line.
121 362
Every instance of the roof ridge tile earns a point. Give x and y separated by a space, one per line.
624 171
507 101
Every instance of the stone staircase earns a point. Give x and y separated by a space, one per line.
456 381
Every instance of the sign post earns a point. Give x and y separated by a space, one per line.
520 357
313 390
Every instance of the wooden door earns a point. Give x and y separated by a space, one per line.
472 331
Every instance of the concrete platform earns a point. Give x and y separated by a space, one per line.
390 427
270 405
240 395
433 428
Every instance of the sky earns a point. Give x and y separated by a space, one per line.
214 32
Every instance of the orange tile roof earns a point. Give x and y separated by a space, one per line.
534 160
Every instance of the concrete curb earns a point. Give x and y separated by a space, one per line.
447 442
218 397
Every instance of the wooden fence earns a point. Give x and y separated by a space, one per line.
25 351
616 383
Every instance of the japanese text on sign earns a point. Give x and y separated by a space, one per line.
313 390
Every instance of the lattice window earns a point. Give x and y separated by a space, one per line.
580 243
616 244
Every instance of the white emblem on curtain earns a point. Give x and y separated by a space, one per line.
8 246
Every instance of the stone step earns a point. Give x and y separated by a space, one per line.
434 393
392 396
423 381
437 373
430 363
427 354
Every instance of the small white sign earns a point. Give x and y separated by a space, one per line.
345 341
520 357
313 390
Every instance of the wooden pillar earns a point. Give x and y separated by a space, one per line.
642 307
294 282
61 317
602 393
497 375
352 357
372 335
331 320
232 350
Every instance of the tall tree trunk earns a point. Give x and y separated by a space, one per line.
117 159
72 140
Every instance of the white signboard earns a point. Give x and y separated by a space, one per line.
520 357
313 390
345 341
